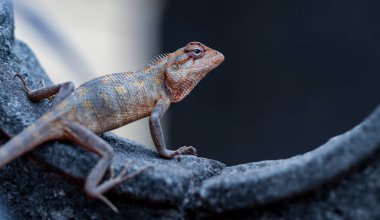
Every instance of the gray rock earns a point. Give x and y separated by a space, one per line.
269 181
354 196
33 190
4 214
168 182
338 180
7 27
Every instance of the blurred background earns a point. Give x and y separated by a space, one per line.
296 73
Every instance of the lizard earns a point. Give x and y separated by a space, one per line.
109 102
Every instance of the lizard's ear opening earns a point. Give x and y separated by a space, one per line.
175 66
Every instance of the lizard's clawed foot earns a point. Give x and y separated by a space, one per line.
185 150
51 98
114 180
124 176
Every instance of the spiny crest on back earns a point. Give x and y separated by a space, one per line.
156 62
158 59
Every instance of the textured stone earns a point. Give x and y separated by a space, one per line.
261 183
355 196
7 28
338 180
168 182
34 191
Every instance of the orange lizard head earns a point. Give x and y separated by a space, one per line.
187 66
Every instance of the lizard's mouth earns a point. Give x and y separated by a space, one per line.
218 59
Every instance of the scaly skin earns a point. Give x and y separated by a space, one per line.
111 101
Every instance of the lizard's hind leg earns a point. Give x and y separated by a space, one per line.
90 141
60 91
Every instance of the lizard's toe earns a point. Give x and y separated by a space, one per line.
123 175
185 150
188 150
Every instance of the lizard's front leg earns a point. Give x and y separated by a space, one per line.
60 91
157 135
90 141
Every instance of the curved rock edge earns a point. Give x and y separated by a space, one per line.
261 183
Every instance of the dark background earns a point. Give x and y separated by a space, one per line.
296 73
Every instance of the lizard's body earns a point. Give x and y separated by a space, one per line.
105 103
111 101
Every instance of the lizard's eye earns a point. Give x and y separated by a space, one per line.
197 53
195 50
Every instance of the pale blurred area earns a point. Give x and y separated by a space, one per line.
104 37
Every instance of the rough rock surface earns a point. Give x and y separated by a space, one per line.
338 180
303 173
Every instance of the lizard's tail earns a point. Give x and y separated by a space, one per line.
39 132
